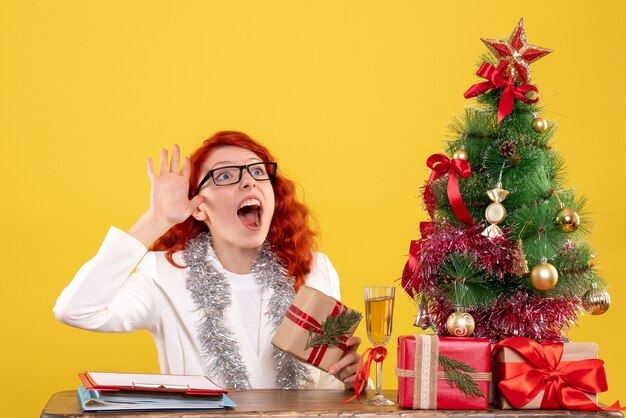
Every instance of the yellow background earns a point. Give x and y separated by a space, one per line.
352 96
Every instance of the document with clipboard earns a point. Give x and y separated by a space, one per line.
131 391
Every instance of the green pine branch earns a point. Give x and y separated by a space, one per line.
457 374
576 271
332 329
536 225
465 283
473 124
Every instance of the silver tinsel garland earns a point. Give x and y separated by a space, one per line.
271 275
211 294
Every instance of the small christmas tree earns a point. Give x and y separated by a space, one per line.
504 253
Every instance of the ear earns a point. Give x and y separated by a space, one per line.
199 213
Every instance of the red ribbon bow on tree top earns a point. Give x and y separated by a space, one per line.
510 91
563 383
440 164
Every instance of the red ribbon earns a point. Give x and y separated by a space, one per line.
510 92
376 354
306 321
409 282
563 382
410 279
440 164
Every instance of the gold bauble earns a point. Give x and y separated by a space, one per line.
539 124
568 219
544 276
460 324
461 154
596 301
495 213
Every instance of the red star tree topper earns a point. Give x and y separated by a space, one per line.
515 53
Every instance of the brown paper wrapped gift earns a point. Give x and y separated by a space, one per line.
504 356
308 311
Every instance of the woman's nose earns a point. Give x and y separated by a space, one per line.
247 180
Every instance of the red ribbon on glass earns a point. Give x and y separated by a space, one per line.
510 91
563 383
440 164
376 354
306 321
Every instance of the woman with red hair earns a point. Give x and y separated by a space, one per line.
229 247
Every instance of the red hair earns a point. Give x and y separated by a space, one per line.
290 235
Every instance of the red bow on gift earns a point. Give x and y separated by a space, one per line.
440 164
563 383
510 91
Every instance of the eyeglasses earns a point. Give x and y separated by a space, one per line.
232 174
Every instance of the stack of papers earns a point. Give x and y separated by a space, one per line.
148 392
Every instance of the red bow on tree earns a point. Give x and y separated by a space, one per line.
563 383
510 91
440 164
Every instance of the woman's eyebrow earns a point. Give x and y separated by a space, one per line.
220 164
231 163
223 162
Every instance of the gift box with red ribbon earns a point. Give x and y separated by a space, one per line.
310 314
443 372
530 375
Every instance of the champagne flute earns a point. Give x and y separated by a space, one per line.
379 318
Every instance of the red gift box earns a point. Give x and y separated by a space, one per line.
530 375
422 383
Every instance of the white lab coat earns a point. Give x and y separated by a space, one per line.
107 296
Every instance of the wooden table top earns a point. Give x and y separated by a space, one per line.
295 403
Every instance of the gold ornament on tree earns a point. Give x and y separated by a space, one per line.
460 323
568 219
539 123
495 212
422 319
596 301
461 154
544 276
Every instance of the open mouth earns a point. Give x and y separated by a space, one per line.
249 213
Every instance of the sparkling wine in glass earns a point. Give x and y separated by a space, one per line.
379 319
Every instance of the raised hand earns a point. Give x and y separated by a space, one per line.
170 188
169 202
